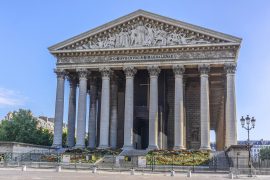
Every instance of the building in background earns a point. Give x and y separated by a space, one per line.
257 145
46 123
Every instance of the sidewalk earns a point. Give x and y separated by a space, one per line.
50 174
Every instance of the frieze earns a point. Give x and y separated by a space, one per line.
146 57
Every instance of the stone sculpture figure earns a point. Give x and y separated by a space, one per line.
150 35
111 41
160 35
140 34
123 38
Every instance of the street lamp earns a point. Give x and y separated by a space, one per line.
245 122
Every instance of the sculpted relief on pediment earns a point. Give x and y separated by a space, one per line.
141 33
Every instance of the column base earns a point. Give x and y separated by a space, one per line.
205 148
57 146
127 147
152 147
71 146
78 146
103 147
179 148
91 147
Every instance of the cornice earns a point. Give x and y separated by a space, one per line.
148 50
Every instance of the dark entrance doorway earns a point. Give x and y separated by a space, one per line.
141 133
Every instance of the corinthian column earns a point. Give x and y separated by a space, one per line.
81 117
71 110
129 104
105 108
153 107
205 111
92 114
113 128
59 108
178 108
231 123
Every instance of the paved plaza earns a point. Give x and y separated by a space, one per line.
66 175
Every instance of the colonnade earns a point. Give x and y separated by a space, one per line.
108 115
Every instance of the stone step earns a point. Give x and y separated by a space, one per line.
134 152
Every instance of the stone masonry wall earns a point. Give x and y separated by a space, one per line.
192 104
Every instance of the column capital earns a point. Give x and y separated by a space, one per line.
105 71
178 69
83 73
230 68
153 70
72 78
204 68
130 71
60 73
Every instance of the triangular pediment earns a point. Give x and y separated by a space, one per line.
143 29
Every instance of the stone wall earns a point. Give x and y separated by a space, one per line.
15 147
192 106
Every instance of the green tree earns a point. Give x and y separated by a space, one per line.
265 153
23 128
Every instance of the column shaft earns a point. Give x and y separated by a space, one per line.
129 108
231 123
113 128
72 111
81 116
92 124
179 108
59 108
105 108
205 110
153 108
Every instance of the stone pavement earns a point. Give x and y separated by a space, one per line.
41 174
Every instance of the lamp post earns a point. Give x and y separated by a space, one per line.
248 124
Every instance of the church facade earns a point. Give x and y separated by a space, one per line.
152 82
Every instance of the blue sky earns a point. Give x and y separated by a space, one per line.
29 27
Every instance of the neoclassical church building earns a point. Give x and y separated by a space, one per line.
152 82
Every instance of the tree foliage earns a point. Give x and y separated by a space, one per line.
265 153
23 128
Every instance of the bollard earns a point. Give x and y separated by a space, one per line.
58 169
132 171
231 175
172 172
24 168
189 174
94 170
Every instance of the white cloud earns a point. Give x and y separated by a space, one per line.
11 98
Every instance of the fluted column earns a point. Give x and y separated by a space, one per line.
59 108
231 123
205 110
92 132
81 116
105 108
71 110
129 107
113 124
153 107
178 108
